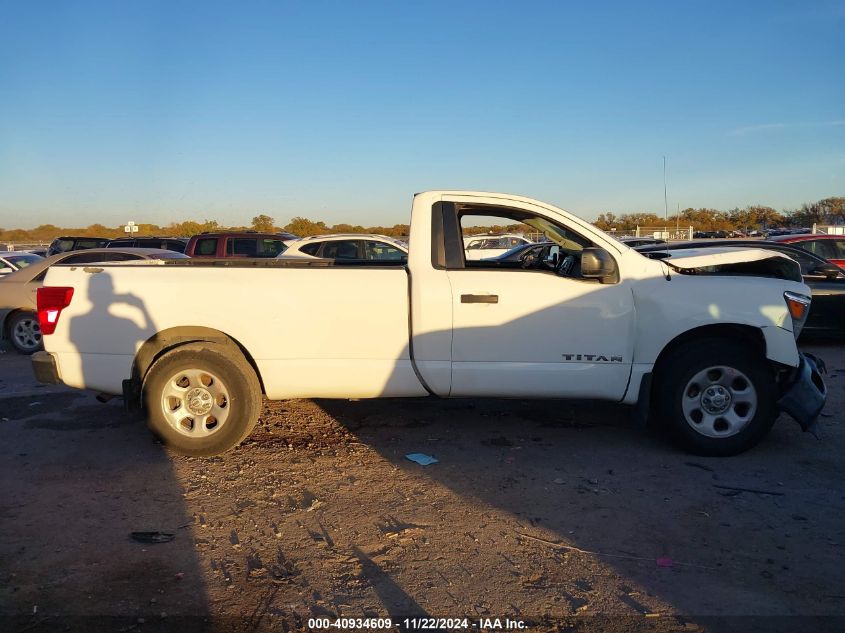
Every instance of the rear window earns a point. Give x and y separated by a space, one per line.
241 247
254 247
24 260
60 246
311 249
342 249
206 247
271 248
379 251
822 248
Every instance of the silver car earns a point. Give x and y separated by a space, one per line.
18 310
10 261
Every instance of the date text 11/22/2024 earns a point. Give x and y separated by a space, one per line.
418 624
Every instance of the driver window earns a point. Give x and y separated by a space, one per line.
503 238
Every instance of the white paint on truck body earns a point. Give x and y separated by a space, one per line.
343 332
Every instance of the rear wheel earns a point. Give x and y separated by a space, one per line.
715 398
202 398
25 332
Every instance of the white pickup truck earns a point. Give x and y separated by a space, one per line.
704 344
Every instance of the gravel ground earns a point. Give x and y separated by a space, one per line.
562 515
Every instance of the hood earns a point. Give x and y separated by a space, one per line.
755 262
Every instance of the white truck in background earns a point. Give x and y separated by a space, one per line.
704 344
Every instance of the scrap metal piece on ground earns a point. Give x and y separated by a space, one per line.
152 537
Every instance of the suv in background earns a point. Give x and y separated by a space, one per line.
239 244
177 244
370 247
65 244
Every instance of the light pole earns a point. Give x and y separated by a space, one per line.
665 197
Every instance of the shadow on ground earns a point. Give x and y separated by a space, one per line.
78 478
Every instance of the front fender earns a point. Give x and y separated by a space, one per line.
667 308
780 346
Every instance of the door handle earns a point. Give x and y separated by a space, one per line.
479 298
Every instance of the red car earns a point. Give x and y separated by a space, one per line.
831 247
238 244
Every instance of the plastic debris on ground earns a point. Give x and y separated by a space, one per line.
421 458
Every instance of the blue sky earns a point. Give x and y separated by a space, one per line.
157 111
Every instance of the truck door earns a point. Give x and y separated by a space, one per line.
525 327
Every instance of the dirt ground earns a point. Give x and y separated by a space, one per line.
563 516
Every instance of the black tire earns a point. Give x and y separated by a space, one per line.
25 333
676 387
226 370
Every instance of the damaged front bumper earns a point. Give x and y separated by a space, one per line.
804 393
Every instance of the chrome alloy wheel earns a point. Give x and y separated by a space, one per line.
719 401
27 334
195 403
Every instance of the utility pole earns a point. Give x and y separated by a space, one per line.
665 197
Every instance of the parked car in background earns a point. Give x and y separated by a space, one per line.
825 279
633 242
830 247
18 317
484 246
10 261
239 244
69 243
41 252
369 247
778 231
177 244
526 254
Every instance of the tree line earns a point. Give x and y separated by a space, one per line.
262 223
826 211
754 217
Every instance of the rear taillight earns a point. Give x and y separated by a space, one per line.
51 300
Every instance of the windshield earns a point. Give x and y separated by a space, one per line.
23 260
560 235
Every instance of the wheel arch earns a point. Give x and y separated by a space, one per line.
6 321
743 343
733 332
167 340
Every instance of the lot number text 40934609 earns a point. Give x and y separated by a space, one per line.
418 624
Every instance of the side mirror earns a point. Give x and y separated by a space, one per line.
596 263
829 271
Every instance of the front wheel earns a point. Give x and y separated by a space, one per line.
25 332
715 398
202 398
